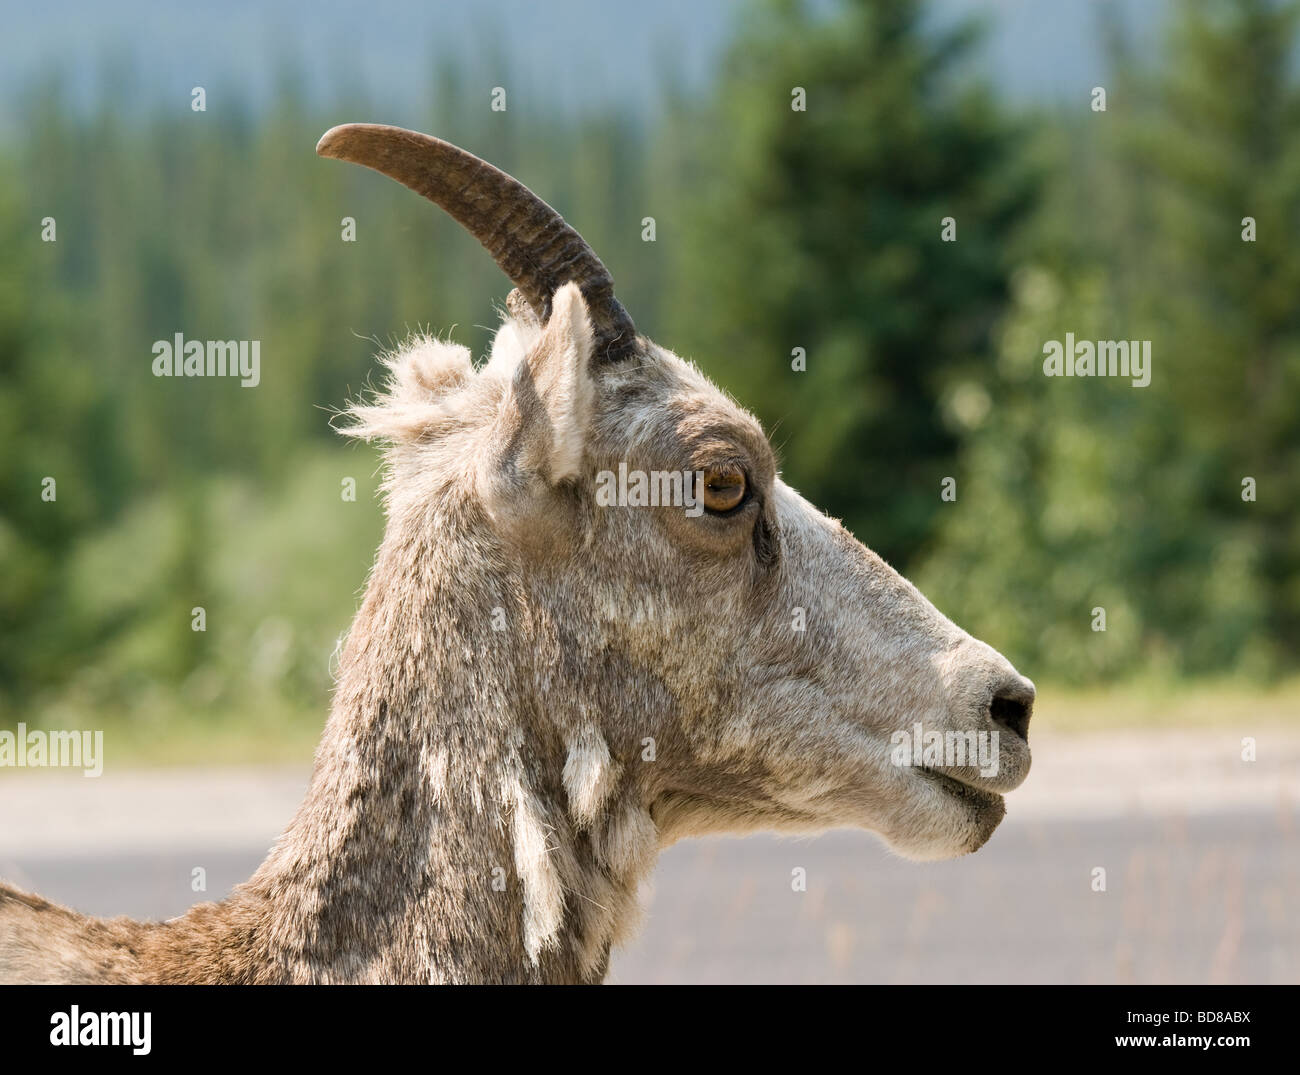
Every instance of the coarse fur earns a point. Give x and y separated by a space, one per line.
539 693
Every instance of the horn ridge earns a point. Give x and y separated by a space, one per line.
530 242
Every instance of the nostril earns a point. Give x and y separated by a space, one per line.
1012 711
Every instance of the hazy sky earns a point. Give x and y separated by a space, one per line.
571 53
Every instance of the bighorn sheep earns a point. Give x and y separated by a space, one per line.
540 690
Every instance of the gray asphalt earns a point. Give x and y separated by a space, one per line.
1212 898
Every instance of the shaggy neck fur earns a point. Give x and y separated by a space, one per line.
455 830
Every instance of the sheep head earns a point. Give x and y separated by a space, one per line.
775 665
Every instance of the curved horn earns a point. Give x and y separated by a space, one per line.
526 237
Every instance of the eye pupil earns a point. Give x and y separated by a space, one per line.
723 489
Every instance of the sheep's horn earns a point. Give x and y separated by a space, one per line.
526 237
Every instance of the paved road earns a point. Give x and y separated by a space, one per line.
1201 853
1198 899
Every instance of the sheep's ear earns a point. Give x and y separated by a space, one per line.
551 394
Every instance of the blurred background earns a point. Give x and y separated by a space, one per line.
773 230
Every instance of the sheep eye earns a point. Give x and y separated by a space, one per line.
724 488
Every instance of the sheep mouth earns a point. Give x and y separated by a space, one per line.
976 796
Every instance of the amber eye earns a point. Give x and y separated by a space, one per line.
724 488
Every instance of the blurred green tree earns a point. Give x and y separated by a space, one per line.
1084 494
184 492
838 148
